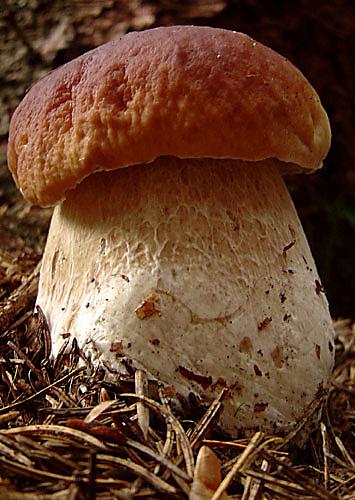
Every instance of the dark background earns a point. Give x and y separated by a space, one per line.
317 36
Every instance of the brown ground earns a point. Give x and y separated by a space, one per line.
38 35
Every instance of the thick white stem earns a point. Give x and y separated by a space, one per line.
197 271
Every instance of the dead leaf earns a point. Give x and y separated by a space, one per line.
207 476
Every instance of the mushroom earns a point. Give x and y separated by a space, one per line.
174 245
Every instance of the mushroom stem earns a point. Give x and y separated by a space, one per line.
197 271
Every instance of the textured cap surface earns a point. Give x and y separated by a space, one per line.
180 91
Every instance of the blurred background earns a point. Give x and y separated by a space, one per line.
316 35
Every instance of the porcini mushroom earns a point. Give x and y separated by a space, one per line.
174 245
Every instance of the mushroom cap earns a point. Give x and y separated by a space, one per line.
180 91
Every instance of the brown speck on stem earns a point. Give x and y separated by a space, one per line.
260 407
148 308
117 347
263 324
257 371
155 342
204 382
277 356
220 383
245 345
287 247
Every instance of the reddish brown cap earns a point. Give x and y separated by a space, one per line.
180 91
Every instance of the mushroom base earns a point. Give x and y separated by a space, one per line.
197 271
